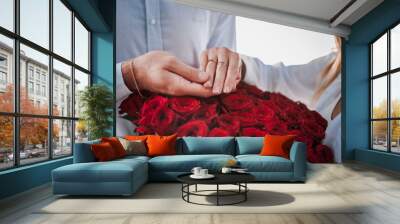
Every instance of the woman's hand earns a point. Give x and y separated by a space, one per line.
161 72
223 67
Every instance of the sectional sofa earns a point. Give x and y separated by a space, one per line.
125 176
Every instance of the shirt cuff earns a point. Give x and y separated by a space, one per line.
122 90
250 76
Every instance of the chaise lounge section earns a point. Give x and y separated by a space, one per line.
125 176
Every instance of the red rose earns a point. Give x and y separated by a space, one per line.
264 110
184 105
313 129
131 107
152 104
275 126
319 119
163 121
193 128
237 101
207 112
306 140
321 154
144 130
253 90
253 132
229 123
247 119
218 132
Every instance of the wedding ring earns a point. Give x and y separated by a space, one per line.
212 60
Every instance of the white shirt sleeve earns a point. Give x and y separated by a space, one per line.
298 82
223 31
122 90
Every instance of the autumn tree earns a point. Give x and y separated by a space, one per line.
33 131
380 127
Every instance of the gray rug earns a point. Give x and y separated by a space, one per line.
166 198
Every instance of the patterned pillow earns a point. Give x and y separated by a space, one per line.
136 147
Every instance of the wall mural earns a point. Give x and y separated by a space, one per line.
301 100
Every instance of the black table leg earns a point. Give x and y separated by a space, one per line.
195 188
245 193
217 194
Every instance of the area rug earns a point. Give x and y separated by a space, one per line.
166 198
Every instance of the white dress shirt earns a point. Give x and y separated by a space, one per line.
299 83
147 25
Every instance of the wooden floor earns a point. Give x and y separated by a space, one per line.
377 188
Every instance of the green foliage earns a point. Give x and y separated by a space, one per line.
96 102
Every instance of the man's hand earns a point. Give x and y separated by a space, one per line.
223 67
161 72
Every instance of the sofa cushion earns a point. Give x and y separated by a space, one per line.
111 171
257 163
207 145
103 152
83 152
249 145
185 163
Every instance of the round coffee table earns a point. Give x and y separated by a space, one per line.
238 179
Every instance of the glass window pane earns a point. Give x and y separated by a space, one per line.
395 136
379 97
7 14
395 47
6 142
379 55
62 138
81 45
62 89
395 94
6 74
62 29
81 81
34 19
33 139
379 135
34 96
81 131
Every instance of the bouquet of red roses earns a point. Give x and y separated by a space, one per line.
246 112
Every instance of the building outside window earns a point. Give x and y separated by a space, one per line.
385 91
57 127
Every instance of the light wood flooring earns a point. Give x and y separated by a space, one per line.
377 188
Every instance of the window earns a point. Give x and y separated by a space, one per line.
40 124
30 72
3 78
30 87
385 91
7 14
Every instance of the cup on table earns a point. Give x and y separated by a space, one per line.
226 170
196 171
203 172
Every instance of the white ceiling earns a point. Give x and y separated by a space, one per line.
321 9
315 15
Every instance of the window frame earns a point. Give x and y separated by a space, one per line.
388 74
16 115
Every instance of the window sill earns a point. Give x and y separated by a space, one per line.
30 166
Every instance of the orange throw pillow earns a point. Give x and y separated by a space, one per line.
116 145
277 145
103 152
161 145
136 137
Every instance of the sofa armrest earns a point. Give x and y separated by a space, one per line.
298 155
83 152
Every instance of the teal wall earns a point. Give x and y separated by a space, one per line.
99 16
356 85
